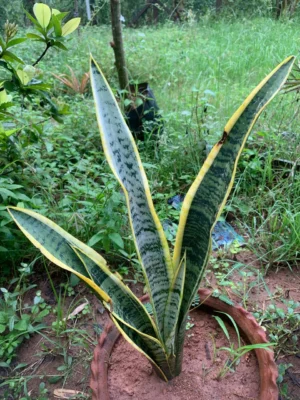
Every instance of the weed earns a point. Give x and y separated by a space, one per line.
283 325
235 353
73 83
18 388
282 368
17 319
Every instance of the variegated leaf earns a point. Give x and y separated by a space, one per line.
206 197
56 244
146 345
69 253
173 307
51 238
124 304
122 155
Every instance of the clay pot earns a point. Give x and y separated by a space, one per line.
245 321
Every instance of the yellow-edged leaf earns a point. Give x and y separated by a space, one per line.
207 195
123 157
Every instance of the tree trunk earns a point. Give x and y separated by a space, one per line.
218 5
278 8
117 43
155 14
293 7
88 9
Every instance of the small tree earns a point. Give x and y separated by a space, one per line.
117 43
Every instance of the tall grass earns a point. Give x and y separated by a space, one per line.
200 73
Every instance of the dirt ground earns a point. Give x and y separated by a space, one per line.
62 362
131 376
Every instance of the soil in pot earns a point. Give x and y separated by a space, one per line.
131 376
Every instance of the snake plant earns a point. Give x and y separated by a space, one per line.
172 281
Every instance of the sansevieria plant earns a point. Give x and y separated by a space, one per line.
171 281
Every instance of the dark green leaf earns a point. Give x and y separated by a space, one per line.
9 56
13 42
35 37
4 106
59 45
54 379
56 25
117 239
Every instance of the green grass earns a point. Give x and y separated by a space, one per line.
200 74
224 57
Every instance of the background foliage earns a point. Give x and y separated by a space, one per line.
100 9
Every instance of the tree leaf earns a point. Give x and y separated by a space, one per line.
13 42
55 11
9 56
56 26
60 46
60 15
30 17
35 37
42 13
70 26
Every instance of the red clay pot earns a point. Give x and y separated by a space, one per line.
245 321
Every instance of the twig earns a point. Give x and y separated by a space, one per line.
42 55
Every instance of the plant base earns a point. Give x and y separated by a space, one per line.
245 321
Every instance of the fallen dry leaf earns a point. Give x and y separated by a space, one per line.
65 393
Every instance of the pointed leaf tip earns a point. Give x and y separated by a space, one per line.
70 26
42 13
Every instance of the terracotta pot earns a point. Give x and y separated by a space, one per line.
245 321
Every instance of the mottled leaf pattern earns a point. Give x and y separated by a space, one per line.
206 197
47 236
56 245
173 307
124 160
61 248
124 304
147 345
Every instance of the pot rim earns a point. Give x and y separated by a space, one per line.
244 319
